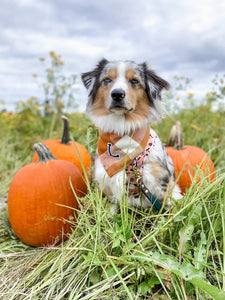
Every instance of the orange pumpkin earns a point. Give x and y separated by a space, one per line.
66 150
185 159
41 201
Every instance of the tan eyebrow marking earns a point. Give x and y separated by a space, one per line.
130 74
112 73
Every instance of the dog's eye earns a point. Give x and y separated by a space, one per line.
134 81
107 80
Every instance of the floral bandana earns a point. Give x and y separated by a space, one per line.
118 152
138 164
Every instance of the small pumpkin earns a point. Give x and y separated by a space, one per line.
41 201
66 150
185 158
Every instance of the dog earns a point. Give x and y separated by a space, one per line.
124 98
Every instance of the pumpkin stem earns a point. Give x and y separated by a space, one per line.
43 152
175 138
66 132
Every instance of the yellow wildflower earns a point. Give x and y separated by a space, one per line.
35 75
42 59
190 94
196 127
4 114
36 107
30 101
52 54
2 102
61 101
46 85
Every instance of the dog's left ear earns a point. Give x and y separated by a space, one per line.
153 84
153 87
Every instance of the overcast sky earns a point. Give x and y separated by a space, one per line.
183 37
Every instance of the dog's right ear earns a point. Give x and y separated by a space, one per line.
91 79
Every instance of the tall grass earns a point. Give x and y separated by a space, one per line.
128 256
137 254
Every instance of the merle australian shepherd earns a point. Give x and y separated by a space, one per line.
124 100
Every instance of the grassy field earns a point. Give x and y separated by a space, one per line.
134 255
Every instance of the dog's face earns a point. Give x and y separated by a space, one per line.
123 91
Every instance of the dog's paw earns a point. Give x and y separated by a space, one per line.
177 193
114 209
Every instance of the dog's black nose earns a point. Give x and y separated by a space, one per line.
118 95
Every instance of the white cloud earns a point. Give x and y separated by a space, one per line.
175 37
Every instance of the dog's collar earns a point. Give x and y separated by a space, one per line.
151 197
